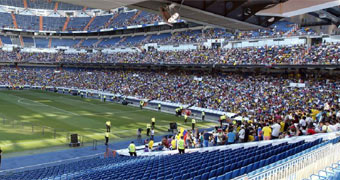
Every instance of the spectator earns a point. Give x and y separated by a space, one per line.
276 130
267 132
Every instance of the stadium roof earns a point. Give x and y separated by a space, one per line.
229 14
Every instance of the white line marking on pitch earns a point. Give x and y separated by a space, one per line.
42 104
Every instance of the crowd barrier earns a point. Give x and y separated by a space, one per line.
302 165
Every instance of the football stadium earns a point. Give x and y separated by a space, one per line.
170 89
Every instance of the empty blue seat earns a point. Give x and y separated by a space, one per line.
177 178
212 173
235 173
228 175
249 168
197 177
243 170
219 171
226 168
205 175
193 174
185 176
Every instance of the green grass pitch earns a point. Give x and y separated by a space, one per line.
54 116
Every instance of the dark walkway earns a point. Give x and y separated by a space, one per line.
31 161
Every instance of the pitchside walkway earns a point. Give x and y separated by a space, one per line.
49 158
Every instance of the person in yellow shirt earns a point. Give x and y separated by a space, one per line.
150 144
313 113
267 131
108 126
185 118
282 124
173 143
181 145
148 129
193 123
107 135
132 149
141 104
251 138
222 119
153 121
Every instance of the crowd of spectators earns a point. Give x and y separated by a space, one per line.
327 53
255 95
275 108
294 124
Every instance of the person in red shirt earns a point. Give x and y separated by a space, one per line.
310 130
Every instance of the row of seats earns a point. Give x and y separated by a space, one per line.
43 42
40 4
31 22
216 164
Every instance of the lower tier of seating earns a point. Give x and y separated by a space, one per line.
214 164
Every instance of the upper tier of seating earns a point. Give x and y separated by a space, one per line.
116 20
41 4
229 163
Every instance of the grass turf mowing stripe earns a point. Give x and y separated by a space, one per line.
58 111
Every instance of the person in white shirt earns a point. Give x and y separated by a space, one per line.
241 134
276 130
309 119
338 115
302 122
152 133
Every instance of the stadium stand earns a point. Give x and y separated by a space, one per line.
28 41
27 22
325 53
6 40
283 116
6 20
15 3
53 23
225 163
64 42
41 42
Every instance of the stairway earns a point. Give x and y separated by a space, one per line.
56 6
14 20
50 43
15 40
25 4
97 43
121 40
88 24
111 20
66 23
21 41
135 16
146 40
80 43
41 20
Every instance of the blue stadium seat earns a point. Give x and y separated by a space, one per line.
226 168
249 168
235 173
197 177
219 171
212 173
243 170
205 175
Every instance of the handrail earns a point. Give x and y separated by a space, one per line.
299 166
